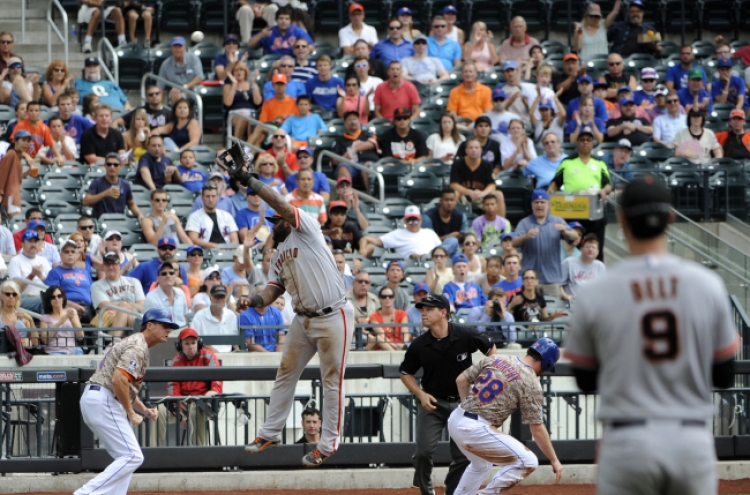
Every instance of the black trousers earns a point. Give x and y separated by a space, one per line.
597 227
430 426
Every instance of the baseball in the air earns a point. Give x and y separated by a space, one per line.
197 36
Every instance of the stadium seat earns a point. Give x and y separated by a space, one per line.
422 187
492 12
425 125
326 15
211 17
677 164
52 193
687 193
721 111
213 106
656 152
55 207
703 49
394 207
391 169
180 16
133 61
415 274
536 13
517 191
143 252
559 20
207 52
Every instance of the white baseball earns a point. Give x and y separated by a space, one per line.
197 36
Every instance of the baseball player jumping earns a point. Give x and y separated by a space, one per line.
490 391
304 267
654 333
110 403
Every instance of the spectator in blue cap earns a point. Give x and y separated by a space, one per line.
586 88
569 247
278 40
415 316
184 69
518 46
728 88
147 272
230 56
450 14
499 116
394 273
538 236
635 130
634 35
47 250
461 292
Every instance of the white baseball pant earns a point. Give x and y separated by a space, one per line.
330 336
484 445
107 419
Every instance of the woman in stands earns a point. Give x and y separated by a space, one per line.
590 36
241 93
531 67
211 278
137 136
90 102
56 315
477 263
586 118
194 271
267 167
388 338
444 143
440 274
10 301
223 61
183 131
696 142
479 49
86 261
18 86
518 149
529 304
367 83
405 18
58 80
351 99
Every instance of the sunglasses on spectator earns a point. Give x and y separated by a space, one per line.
54 296
648 80
362 281
361 65
412 221
196 253
387 296
394 28
214 277
529 278
112 164
300 46
439 26
167 248
614 63
286 65
153 94
160 200
58 69
351 84
166 274
470 243
115 238
278 136
438 256
86 227
401 118
673 100
10 294
6 42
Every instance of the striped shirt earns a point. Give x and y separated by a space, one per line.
313 206
302 74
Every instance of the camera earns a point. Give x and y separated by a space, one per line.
497 307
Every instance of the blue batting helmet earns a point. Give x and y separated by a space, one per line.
549 351
159 315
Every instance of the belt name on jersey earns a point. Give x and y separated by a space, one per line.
506 369
285 255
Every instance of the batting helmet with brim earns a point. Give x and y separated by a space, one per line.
549 352
646 204
159 315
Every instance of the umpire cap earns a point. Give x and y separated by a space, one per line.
434 301
646 205
159 315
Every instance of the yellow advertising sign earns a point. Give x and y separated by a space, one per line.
578 207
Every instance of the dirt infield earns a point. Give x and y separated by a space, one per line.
737 487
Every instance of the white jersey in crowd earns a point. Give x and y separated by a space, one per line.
575 272
653 325
20 266
407 243
125 289
200 222
304 266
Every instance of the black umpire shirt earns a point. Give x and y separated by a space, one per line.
444 359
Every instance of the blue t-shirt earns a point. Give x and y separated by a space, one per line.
265 337
570 127
193 180
543 169
626 171
293 89
247 219
229 276
736 88
687 99
320 183
640 96
107 91
325 93
76 282
468 297
448 52
304 128
75 126
157 169
109 204
542 253
600 109
510 288
679 76
147 272
278 44
387 51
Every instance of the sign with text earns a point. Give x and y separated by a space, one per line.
51 376
576 207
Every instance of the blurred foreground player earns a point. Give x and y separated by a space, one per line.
653 335
110 403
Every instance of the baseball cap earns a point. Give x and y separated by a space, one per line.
15 61
166 241
577 225
397 263
637 3
187 332
649 73
210 271
304 149
111 256
434 301
646 202
661 90
570 56
165 264
35 224
30 235
509 64
546 104
506 236
600 84
499 93
421 286
231 38
412 211
585 131
594 9
337 204
343 179
737 114
459 258
402 112
239 252
419 37
585 79
624 143
724 62
624 89
215 175
483 119
22 134
178 40
356 6
218 290
279 78
540 194
449 9
194 248
404 11
68 242
695 74
111 233
90 61
626 101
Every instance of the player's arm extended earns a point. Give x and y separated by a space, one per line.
268 295
274 199
463 386
541 437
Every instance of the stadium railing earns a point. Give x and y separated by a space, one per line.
107 53
51 26
193 94
371 172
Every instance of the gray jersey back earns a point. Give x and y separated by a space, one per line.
653 325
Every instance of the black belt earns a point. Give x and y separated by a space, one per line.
450 398
322 312
471 415
642 422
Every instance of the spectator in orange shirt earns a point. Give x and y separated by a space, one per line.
305 199
275 110
281 150
469 99
40 134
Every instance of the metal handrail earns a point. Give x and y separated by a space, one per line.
230 133
121 310
105 44
378 176
50 26
23 21
198 99
26 282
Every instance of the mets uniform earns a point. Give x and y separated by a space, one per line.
653 327
107 418
500 385
304 267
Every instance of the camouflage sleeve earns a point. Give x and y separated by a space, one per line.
531 403
472 373
131 359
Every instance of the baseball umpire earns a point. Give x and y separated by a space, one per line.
442 353
110 403
655 333
490 391
304 267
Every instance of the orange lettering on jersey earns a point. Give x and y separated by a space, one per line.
637 291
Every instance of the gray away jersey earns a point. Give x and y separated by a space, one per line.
653 325
304 267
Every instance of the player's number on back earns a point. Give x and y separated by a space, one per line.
661 335
490 390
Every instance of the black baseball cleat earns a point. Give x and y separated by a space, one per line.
259 445
314 458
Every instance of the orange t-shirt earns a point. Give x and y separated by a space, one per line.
470 105
40 135
273 109
394 334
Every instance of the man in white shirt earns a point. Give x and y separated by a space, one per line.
45 250
116 290
519 94
29 266
668 125
209 226
356 30
167 296
85 226
577 271
499 116
217 319
420 66
413 240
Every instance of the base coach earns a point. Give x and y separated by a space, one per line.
443 353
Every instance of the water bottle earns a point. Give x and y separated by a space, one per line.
141 135
73 32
